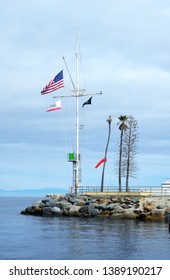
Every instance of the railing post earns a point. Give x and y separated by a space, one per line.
168 219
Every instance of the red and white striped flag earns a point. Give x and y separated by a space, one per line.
55 106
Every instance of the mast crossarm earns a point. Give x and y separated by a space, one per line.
91 94
62 96
80 95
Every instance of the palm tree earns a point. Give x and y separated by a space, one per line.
109 120
122 126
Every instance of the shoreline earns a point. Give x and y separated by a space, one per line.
123 207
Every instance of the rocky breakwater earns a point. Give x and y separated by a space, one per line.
142 208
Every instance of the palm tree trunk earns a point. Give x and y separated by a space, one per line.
104 164
122 127
120 161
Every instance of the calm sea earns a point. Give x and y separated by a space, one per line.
36 238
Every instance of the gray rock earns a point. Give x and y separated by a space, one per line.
160 207
119 209
74 208
94 212
111 206
84 209
56 210
47 210
63 204
46 200
157 212
125 206
56 197
129 212
80 202
138 211
37 204
89 210
101 206
51 203
72 200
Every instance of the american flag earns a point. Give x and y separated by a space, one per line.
54 84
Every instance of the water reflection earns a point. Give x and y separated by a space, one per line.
108 238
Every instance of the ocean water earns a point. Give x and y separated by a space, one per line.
64 238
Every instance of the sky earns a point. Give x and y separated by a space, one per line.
124 51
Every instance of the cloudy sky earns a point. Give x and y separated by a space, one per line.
124 51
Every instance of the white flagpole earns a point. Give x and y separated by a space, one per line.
77 93
77 122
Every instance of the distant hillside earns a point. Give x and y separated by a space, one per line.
32 192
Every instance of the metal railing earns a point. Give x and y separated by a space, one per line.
134 190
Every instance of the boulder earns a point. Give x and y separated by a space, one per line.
56 210
125 205
158 212
138 211
89 210
51 203
111 206
114 200
102 200
56 197
142 216
106 213
119 209
101 206
63 205
39 203
47 211
80 202
130 214
73 210
148 207
160 207
38 211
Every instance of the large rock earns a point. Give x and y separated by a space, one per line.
63 205
111 206
106 213
89 210
158 213
47 211
101 206
73 210
119 209
56 210
148 207
102 200
80 202
130 214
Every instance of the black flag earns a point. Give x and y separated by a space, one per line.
88 102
